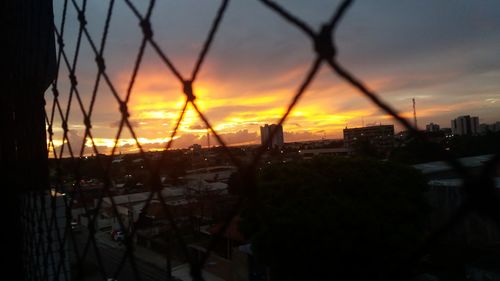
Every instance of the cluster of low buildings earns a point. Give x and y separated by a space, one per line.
381 137
182 199
198 204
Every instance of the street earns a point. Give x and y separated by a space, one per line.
111 257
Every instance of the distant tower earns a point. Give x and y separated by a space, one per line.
265 134
414 113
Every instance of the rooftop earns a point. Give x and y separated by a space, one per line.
440 166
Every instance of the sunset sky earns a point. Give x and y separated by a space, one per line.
445 54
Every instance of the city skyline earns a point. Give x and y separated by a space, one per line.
440 55
241 140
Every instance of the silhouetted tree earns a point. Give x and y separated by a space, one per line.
335 218
463 146
416 150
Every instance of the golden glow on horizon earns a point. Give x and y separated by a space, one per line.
154 115
236 109
110 142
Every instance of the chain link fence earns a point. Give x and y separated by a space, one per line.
53 241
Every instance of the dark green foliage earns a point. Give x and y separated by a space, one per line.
454 262
463 146
335 218
417 151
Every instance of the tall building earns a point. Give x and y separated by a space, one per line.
265 133
380 137
432 127
465 125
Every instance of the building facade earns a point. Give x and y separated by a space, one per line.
381 137
432 127
277 140
465 125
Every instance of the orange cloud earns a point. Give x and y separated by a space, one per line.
240 106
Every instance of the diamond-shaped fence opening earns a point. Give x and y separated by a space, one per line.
58 247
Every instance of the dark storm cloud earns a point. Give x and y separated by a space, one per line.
395 31
374 36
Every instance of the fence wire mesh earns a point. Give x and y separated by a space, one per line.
48 215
